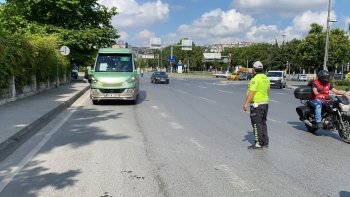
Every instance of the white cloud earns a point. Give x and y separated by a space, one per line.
262 33
300 27
217 24
133 15
284 7
123 35
144 34
301 23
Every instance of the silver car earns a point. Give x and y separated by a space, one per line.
299 77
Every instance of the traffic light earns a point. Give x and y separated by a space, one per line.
126 45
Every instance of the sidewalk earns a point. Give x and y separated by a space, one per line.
21 119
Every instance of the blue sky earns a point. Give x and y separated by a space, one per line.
222 21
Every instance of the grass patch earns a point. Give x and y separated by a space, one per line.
340 87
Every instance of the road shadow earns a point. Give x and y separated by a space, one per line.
78 131
344 194
301 127
249 137
141 98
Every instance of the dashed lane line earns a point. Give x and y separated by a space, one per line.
175 125
225 91
207 99
183 91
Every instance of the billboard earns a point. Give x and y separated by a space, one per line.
148 56
212 55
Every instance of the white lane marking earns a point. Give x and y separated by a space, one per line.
243 88
274 101
267 118
207 99
202 87
282 93
236 180
182 91
175 125
164 115
155 107
273 120
225 91
9 177
187 84
197 143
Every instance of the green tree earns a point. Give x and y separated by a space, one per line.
311 49
292 56
276 60
339 48
82 25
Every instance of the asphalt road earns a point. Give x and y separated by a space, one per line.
186 138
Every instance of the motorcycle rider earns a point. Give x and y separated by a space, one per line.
319 93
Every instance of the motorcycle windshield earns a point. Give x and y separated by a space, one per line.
343 99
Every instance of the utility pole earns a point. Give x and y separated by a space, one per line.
327 38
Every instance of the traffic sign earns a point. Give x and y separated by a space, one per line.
64 50
186 45
171 59
225 60
155 43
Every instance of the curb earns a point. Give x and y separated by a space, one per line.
11 144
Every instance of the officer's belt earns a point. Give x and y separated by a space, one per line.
258 103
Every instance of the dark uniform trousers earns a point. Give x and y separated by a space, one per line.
258 117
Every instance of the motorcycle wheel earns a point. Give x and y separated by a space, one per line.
345 134
310 129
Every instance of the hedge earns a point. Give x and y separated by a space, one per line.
23 56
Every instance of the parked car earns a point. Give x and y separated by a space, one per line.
339 76
75 71
299 77
159 77
246 76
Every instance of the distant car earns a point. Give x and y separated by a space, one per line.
246 76
75 71
159 77
339 76
299 77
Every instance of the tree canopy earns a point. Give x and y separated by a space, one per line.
82 25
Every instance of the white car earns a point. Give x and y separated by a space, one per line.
299 77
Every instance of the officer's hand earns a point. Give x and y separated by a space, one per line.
245 106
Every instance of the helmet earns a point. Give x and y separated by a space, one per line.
323 76
258 64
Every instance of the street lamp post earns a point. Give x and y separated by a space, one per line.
327 37
288 65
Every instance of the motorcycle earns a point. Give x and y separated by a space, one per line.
334 113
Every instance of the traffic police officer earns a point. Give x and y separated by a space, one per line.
258 97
